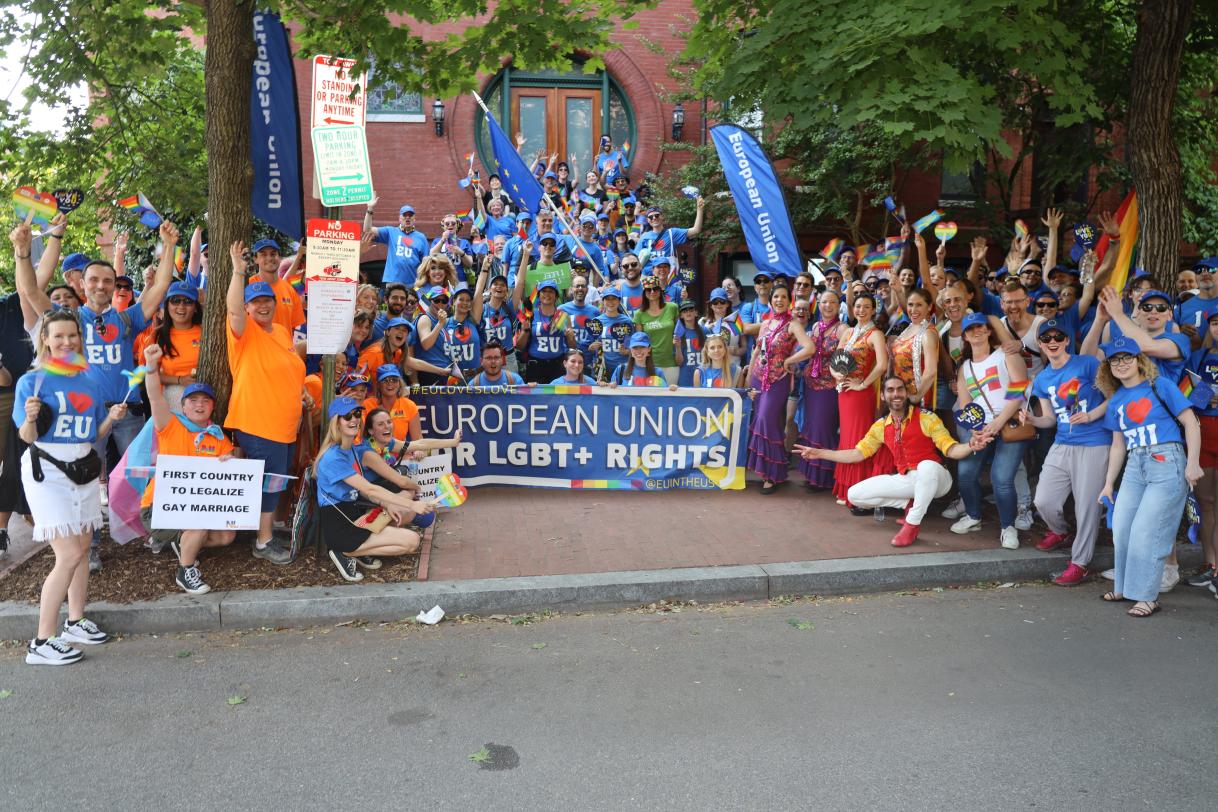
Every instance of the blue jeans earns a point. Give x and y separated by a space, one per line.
1003 459
1147 515
276 459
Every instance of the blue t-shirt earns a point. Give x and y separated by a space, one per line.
1136 413
498 323
712 377
110 349
612 345
596 255
1078 371
506 378
611 164
77 406
661 244
405 253
632 297
438 354
505 225
752 313
546 343
335 465
511 258
580 316
583 381
691 346
1204 362
639 377
1192 312
463 343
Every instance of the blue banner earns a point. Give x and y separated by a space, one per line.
592 438
277 196
517 180
759 201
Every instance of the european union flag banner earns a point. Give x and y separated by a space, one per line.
277 196
589 438
517 180
759 201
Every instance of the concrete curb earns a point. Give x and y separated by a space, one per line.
305 606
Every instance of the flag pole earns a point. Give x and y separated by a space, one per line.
562 219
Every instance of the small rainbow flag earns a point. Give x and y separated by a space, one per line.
736 325
450 492
464 216
1015 390
68 365
1068 391
560 322
1021 229
922 223
833 249
141 206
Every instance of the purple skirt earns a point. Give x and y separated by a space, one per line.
820 431
767 434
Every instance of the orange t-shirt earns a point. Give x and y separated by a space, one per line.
268 378
288 309
404 412
177 440
142 341
373 357
312 385
187 343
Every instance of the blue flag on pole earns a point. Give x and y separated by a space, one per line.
518 181
277 196
759 201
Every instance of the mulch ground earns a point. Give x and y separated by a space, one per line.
132 572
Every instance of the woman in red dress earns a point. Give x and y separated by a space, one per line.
858 396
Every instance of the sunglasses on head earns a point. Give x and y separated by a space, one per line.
1053 338
1157 308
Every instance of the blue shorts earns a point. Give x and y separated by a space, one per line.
276 459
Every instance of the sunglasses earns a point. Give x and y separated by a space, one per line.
653 216
763 281
1040 305
181 300
630 264
1053 338
357 414
443 300
1155 308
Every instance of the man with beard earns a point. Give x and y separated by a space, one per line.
395 308
916 439
631 286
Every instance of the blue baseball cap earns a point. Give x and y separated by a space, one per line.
1045 294
258 290
385 371
974 320
619 231
549 235
398 321
614 292
1122 345
184 289
640 340
602 216
1203 264
408 209
460 288
1155 294
524 215
587 217
1051 324
74 262
551 175
665 261
719 295
547 284
199 389
343 406
258 246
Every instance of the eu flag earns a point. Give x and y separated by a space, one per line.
517 180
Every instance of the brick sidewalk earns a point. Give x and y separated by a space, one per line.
503 532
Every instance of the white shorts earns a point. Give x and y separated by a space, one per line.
59 506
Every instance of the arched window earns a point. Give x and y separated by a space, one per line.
563 113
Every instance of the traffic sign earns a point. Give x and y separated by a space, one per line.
333 104
331 276
340 160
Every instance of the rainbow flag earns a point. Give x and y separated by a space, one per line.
560 322
922 223
736 325
141 206
68 365
833 249
464 217
1127 219
1021 229
881 260
894 243
1068 392
1198 391
1015 389
179 258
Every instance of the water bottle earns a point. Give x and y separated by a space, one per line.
879 514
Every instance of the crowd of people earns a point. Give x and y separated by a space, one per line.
1071 385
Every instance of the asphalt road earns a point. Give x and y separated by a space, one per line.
1023 698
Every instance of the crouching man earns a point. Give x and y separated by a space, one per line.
915 438
189 433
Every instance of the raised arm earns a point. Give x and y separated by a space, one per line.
156 395
924 268
1052 219
234 300
1160 347
696 228
33 297
151 298
120 254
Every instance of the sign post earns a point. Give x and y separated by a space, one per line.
337 117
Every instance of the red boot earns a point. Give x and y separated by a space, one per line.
906 536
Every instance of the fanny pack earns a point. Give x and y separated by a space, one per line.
82 471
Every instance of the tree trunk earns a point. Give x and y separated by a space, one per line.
230 176
1153 157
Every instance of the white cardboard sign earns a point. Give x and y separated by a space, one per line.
203 493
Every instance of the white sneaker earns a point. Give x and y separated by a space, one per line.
1109 574
1171 577
1009 538
53 652
83 631
966 524
955 510
1024 518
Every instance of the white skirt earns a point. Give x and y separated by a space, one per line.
59 506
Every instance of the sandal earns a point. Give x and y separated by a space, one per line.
1113 597
767 488
1144 609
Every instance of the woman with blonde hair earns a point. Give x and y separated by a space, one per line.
718 369
359 520
436 270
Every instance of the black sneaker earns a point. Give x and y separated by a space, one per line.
1202 579
346 566
3 543
191 580
368 562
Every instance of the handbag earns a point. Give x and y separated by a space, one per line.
1013 431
